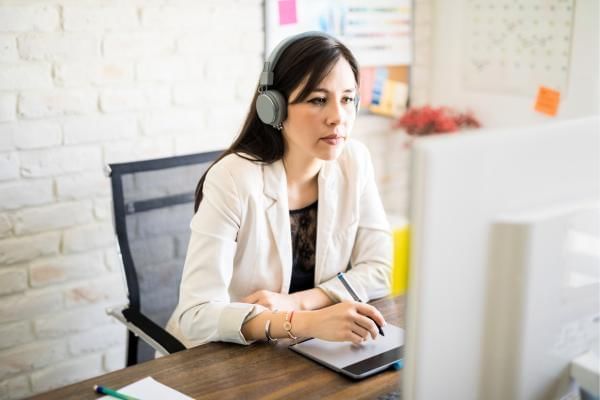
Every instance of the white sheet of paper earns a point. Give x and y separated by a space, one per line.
342 354
150 389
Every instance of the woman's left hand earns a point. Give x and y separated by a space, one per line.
272 300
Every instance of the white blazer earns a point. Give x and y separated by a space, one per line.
241 242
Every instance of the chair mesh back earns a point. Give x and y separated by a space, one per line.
159 205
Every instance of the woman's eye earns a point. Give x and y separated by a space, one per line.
318 100
322 100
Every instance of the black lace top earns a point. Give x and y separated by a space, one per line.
304 241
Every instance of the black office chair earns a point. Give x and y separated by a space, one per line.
153 204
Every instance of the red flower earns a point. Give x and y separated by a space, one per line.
427 120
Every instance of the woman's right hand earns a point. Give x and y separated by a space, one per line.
347 321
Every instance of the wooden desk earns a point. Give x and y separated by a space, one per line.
261 370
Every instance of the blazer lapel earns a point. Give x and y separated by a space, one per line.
328 181
277 211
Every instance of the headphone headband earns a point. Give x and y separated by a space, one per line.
266 76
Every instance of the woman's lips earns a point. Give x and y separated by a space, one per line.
333 139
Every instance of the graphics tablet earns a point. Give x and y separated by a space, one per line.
356 361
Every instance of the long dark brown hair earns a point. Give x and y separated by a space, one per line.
309 58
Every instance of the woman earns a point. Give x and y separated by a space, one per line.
290 204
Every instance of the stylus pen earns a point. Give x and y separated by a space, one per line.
352 292
112 393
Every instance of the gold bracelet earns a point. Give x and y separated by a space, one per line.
287 325
268 332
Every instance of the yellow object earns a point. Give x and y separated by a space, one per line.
393 99
401 241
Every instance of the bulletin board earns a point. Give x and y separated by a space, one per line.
514 47
378 32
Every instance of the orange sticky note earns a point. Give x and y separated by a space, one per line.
547 101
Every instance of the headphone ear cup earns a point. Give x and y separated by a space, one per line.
271 107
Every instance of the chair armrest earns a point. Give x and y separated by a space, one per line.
143 327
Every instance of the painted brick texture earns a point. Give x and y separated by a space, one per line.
83 85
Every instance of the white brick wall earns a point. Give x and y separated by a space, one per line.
421 70
25 248
95 72
48 271
60 160
8 107
8 48
25 75
33 135
62 373
5 226
31 304
9 166
26 18
55 102
99 128
57 46
83 84
13 334
94 19
18 194
15 388
12 280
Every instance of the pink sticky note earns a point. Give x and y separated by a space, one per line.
287 12
367 80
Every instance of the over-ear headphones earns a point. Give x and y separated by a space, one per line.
271 105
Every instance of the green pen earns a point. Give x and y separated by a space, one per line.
112 392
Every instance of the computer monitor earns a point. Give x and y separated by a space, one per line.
504 268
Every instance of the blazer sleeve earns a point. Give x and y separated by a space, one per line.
371 258
204 312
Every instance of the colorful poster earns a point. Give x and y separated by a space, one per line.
379 32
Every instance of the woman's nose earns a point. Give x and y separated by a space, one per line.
336 113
